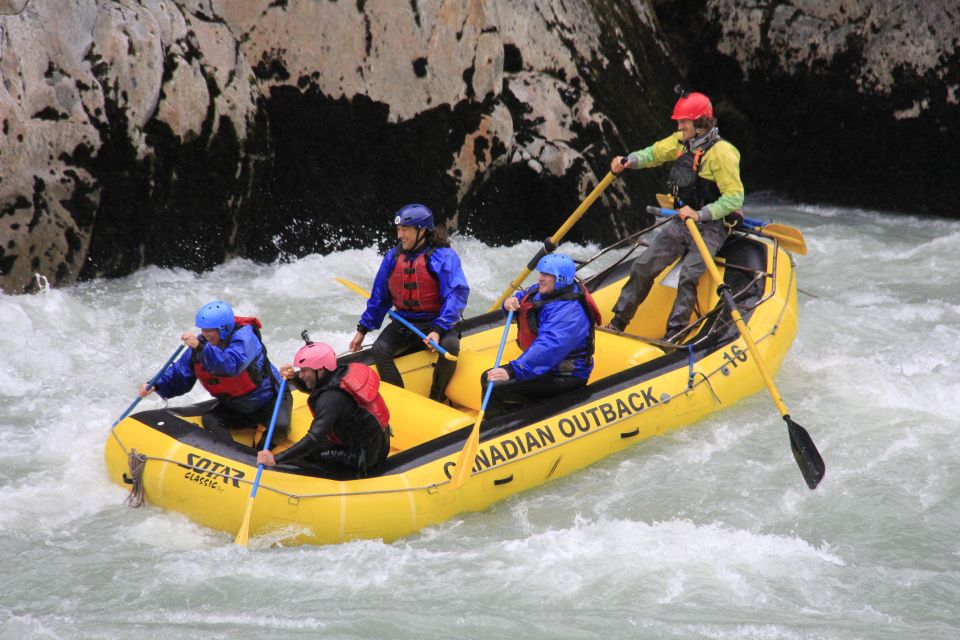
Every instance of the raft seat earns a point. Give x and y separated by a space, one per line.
464 388
415 419
615 353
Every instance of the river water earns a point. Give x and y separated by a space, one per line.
708 532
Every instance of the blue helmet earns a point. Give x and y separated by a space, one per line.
414 215
560 266
216 315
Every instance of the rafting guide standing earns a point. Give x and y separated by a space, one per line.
706 187
421 277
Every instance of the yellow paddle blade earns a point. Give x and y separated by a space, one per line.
790 237
353 287
465 461
243 536
665 201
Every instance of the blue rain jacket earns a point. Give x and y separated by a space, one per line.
454 290
564 328
242 349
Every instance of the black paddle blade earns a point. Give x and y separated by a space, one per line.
805 453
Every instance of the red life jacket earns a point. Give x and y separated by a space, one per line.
363 384
412 285
528 323
239 385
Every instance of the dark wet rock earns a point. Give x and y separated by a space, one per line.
847 101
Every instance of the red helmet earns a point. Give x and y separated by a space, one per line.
316 355
693 106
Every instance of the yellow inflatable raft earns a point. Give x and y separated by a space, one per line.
638 389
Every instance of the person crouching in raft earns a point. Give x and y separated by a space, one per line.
555 328
421 277
350 429
230 361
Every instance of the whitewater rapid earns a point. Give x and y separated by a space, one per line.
707 532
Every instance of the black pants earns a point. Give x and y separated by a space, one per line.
396 339
220 420
509 395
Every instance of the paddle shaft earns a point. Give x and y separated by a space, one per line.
724 292
244 532
551 243
804 450
396 316
469 452
150 384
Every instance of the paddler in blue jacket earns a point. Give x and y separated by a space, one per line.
555 328
230 361
423 279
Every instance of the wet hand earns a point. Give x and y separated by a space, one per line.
498 374
686 212
433 335
511 304
145 390
190 340
287 372
620 163
266 458
356 342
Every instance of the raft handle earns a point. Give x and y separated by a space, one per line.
500 481
630 434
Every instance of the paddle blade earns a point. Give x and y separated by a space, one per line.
467 455
805 453
243 536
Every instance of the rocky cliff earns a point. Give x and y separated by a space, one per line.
181 133
185 132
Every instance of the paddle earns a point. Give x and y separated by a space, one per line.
465 461
244 534
804 451
396 316
150 384
790 237
551 243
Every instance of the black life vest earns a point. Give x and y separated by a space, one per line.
528 320
688 188
363 385
225 387
412 284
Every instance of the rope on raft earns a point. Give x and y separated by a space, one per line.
136 462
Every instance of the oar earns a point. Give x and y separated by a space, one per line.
396 316
804 451
551 243
150 384
244 534
790 237
465 461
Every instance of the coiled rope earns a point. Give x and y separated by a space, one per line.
136 462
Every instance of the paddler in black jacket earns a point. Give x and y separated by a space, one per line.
350 428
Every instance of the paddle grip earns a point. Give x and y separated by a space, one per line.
548 247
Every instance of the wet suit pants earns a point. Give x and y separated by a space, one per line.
672 242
